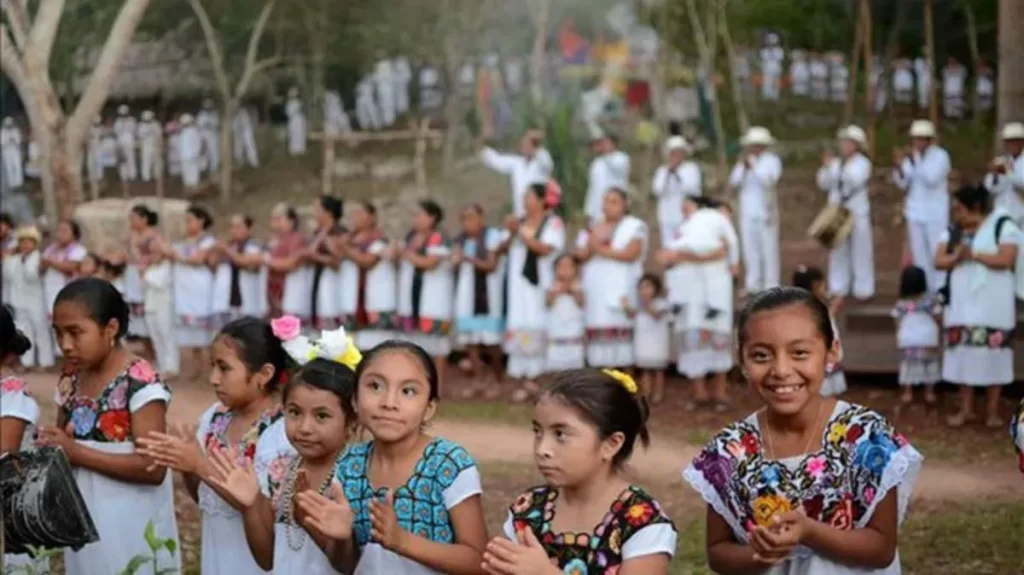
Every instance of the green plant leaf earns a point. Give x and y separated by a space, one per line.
136 562
151 539
167 571
171 545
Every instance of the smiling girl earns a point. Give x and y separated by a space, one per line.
107 400
807 484
415 498
247 366
585 427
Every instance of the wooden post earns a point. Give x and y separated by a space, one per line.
858 41
972 43
730 51
929 39
419 163
869 94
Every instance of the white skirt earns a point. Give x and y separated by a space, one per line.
565 355
193 336
225 549
120 512
308 559
434 345
699 358
977 366
610 354
527 353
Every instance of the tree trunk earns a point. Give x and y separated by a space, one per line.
858 43
892 45
1010 87
869 93
538 56
929 40
730 53
972 43
716 107
227 155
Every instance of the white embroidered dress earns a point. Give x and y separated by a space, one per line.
193 295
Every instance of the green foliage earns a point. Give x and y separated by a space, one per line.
156 545
40 561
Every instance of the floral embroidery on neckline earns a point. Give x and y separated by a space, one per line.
221 419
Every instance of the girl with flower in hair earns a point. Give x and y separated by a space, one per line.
586 424
267 486
106 401
248 366
808 484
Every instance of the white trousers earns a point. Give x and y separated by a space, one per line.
297 137
386 101
129 165
12 168
924 242
852 264
401 97
160 322
770 87
760 239
366 113
245 148
190 172
94 162
211 141
152 163
35 324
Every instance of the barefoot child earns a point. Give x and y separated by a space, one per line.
567 331
585 425
651 335
415 498
807 484
107 400
319 420
919 318
248 366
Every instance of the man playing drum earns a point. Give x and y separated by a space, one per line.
845 179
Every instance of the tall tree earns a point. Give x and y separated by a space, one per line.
26 50
231 94
1011 64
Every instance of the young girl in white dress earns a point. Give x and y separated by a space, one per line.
193 285
613 251
61 261
368 279
249 364
533 244
21 269
19 412
479 299
318 421
918 316
651 335
425 285
240 281
108 400
812 279
586 424
411 502
567 330
807 485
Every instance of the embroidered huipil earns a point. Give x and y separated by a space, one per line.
861 458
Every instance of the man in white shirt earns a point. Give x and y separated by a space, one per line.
190 149
954 78
924 175
125 129
818 68
384 82
673 182
151 134
1005 178
839 76
94 150
532 165
402 76
846 179
10 150
755 176
772 56
923 71
985 85
609 169
366 105
902 81
297 128
799 73
244 137
208 123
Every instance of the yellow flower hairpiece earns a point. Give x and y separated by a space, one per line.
624 379
351 357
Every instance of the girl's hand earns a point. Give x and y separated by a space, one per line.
239 482
57 437
775 543
503 557
181 453
331 516
384 524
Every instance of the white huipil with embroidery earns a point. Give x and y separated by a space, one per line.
851 265
158 290
618 279
925 179
671 186
522 171
193 294
527 312
759 219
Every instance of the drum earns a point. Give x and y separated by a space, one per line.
832 226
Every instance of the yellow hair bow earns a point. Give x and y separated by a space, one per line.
624 379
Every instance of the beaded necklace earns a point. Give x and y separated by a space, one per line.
289 501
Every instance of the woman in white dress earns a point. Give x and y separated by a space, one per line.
980 253
240 282
324 256
425 285
193 285
142 229
368 280
613 249
288 281
61 260
479 298
700 286
534 243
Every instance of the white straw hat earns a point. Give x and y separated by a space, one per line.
922 129
123 109
855 134
757 136
677 143
1013 131
147 116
